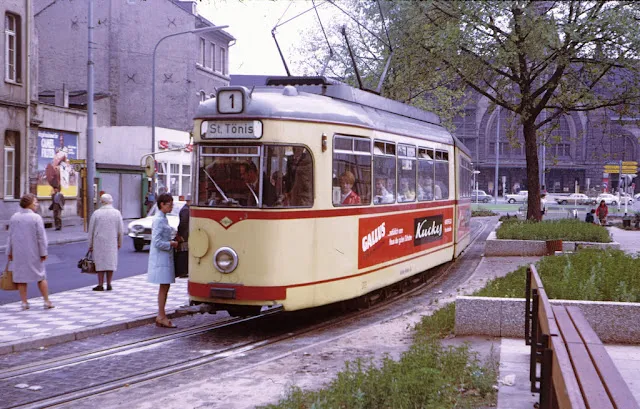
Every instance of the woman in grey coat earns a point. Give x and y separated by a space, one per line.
27 248
160 269
105 239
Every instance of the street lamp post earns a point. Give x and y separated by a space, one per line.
495 183
475 184
153 81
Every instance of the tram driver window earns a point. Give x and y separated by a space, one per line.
384 172
254 176
351 171
442 174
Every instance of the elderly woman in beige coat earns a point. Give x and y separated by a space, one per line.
105 239
27 248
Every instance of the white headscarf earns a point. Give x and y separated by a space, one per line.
106 199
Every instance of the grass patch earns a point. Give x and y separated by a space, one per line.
590 274
565 229
482 212
428 375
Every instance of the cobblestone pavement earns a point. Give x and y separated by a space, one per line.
82 312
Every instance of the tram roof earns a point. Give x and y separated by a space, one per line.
326 100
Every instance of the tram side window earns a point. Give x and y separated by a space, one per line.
351 171
406 173
442 174
384 172
426 170
289 172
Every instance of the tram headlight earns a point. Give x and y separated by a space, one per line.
225 260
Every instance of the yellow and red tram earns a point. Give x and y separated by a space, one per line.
310 192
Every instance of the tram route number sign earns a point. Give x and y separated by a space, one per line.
231 129
384 238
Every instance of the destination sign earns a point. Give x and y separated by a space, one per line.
231 129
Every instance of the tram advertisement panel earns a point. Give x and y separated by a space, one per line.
464 219
384 238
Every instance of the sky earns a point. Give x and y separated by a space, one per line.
251 22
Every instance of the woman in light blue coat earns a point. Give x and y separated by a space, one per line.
160 269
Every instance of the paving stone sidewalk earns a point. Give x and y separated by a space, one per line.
68 234
81 313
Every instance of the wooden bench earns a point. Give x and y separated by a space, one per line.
575 369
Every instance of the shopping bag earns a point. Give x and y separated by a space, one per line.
6 280
86 264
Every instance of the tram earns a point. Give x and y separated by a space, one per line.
308 192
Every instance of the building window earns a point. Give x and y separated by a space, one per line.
12 48
11 175
223 61
203 52
212 48
174 178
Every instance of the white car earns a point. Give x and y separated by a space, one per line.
637 196
520 197
609 199
575 198
140 230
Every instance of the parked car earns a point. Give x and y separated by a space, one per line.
519 197
625 196
609 199
140 230
480 196
575 198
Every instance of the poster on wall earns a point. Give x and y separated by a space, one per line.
55 149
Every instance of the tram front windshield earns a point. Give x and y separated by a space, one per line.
255 176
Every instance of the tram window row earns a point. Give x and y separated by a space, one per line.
365 172
400 173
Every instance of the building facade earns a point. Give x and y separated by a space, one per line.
572 157
188 70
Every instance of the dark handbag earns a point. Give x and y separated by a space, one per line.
51 206
86 264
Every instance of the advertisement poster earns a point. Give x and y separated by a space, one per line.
55 149
384 238
464 219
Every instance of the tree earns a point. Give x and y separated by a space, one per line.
527 57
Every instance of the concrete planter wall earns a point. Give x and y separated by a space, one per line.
499 248
614 322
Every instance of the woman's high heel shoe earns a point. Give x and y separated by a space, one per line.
165 323
24 306
48 305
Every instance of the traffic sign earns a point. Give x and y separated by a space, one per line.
77 161
630 163
616 169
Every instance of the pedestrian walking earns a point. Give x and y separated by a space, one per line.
105 239
602 211
160 269
27 249
57 204
182 237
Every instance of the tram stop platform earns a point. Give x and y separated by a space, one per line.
82 313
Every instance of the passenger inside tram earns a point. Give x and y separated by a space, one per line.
405 193
347 195
298 179
425 189
382 195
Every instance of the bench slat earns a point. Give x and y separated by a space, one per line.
545 314
564 379
593 390
569 332
613 381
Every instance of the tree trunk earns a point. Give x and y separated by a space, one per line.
533 182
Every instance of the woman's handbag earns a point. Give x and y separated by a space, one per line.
86 264
6 280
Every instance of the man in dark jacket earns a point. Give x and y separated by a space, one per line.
57 204
181 259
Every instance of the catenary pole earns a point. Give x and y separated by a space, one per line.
91 160
495 183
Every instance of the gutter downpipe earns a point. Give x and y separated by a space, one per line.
27 115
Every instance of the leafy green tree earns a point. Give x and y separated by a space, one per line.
538 60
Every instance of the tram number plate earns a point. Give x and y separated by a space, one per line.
227 293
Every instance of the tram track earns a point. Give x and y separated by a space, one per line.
219 356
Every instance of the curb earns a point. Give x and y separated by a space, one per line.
87 332
3 248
